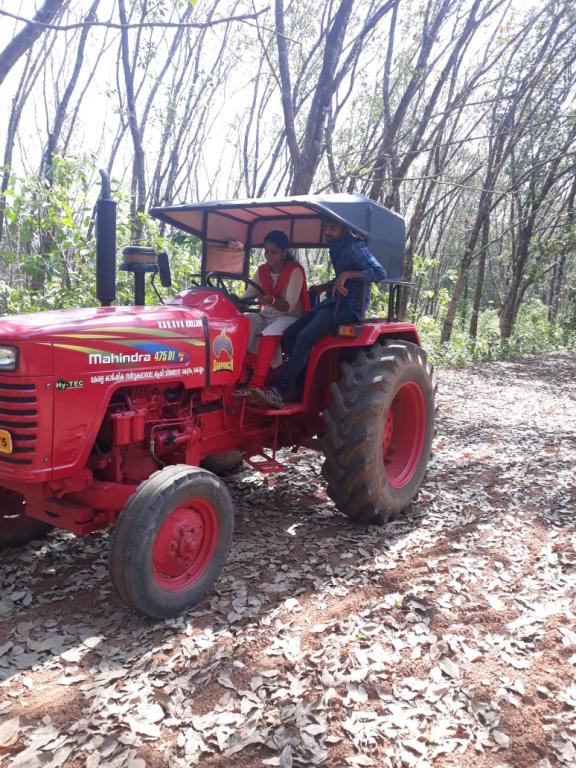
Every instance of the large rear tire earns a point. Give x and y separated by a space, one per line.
16 528
171 541
379 431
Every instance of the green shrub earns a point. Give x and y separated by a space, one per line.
533 335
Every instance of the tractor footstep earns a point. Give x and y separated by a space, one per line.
288 410
265 464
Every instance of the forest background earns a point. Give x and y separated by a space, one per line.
458 114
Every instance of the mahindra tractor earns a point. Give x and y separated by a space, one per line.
129 416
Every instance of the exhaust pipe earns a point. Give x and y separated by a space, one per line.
105 244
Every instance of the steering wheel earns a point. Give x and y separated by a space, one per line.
216 280
195 280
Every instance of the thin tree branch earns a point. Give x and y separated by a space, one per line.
40 26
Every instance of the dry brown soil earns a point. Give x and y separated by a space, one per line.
445 639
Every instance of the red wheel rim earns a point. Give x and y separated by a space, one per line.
185 545
404 432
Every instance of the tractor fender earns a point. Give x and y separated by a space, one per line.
324 362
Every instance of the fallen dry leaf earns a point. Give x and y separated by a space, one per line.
421 642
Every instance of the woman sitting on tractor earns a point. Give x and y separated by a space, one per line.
285 299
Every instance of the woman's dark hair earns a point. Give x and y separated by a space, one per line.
280 239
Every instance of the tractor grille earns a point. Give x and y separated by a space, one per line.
19 415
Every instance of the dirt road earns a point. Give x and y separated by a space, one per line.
447 638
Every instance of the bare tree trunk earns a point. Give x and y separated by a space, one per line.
420 71
61 109
480 278
185 127
538 188
465 262
559 272
13 122
306 152
285 84
450 69
506 130
74 116
509 310
26 38
309 158
139 164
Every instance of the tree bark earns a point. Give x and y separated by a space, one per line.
305 169
13 122
306 152
285 82
560 271
465 262
420 71
62 107
480 278
26 38
139 164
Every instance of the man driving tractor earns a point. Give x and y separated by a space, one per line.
346 302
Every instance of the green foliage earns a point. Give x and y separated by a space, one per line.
48 252
533 335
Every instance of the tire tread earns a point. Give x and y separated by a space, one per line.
361 398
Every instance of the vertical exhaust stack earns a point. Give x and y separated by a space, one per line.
105 244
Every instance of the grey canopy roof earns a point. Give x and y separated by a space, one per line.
300 217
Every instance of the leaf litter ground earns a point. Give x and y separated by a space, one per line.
447 638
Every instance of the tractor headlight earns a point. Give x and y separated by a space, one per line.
8 358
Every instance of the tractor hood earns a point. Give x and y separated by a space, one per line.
199 335
101 322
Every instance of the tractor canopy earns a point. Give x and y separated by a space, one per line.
229 229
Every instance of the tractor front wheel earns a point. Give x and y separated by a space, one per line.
379 431
171 541
16 528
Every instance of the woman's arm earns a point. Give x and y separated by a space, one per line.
292 293
250 291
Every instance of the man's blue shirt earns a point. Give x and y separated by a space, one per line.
352 255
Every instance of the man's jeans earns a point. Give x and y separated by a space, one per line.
301 336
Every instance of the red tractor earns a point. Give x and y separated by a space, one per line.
127 415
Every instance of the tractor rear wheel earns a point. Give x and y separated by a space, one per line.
379 431
16 528
171 541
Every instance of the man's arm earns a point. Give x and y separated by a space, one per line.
339 284
367 268
367 264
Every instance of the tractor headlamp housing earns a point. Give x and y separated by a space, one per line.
8 358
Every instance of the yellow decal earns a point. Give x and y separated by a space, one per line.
5 441
222 365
